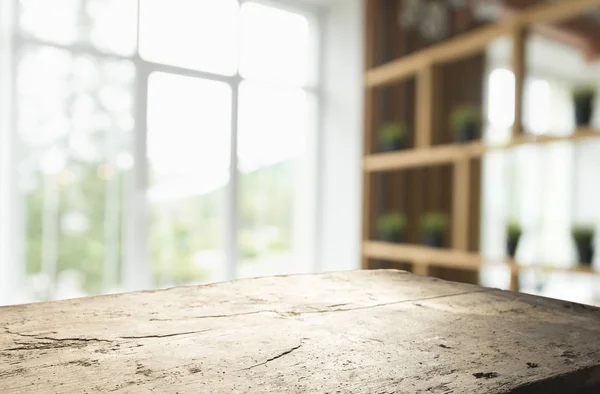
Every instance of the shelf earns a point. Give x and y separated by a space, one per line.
435 155
552 268
446 154
421 254
582 133
449 258
474 41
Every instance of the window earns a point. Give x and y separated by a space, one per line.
160 142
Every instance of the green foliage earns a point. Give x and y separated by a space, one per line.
193 224
83 252
582 92
583 233
513 229
392 132
391 222
465 114
33 245
434 222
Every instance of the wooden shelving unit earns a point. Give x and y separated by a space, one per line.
422 69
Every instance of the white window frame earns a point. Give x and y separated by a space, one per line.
137 267
9 236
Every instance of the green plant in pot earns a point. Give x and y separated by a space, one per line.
390 227
513 235
433 227
584 241
466 123
392 137
583 98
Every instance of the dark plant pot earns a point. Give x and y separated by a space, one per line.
511 246
466 133
585 251
583 110
394 236
391 146
434 240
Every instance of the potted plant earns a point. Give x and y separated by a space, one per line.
466 123
513 234
583 98
584 238
392 137
433 225
390 227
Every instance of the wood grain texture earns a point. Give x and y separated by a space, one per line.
351 332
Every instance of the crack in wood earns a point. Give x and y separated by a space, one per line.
237 314
396 302
40 338
273 358
295 313
165 335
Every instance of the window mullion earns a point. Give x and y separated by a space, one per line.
76 48
167 68
232 192
137 270
12 264
137 266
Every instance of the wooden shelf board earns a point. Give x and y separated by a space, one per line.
421 254
453 49
474 41
450 258
552 268
445 154
435 155
580 134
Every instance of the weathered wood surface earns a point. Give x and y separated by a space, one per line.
353 332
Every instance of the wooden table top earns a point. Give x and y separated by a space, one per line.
348 332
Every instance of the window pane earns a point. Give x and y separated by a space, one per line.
275 44
75 121
189 123
108 25
196 34
273 128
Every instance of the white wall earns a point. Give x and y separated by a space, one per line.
341 181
